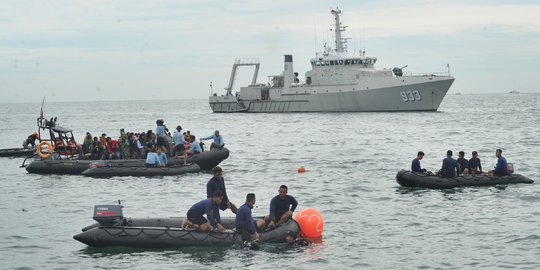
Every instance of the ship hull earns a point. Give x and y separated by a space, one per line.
427 97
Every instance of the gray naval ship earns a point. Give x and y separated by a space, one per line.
338 82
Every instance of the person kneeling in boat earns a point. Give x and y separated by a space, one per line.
218 140
279 208
31 140
210 207
450 167
501 169
156 159
415 166
194 148
244 223
475 167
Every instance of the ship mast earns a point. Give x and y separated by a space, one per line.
340 42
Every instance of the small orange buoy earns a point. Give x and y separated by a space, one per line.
311 223
301 169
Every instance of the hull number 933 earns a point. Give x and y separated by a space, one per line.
411 95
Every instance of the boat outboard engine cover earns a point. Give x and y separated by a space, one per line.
109 215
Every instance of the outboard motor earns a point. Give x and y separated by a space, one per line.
398 71
109 215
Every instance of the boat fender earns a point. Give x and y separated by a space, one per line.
41 153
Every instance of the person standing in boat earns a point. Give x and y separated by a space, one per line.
475 167
161 130
124 146
31 140
87 143
463 163
450 167
179 141
210 207
415 166
244 223
281 208
217 182
501 169
218 140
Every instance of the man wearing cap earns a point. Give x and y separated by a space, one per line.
475 167
450 167
179 141
415 166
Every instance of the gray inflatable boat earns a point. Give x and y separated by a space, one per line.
113 229
98 170
414 179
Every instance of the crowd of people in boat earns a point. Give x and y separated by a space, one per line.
282 207
461 166
147 145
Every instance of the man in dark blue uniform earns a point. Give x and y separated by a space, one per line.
475 167
218 183
245 225
210 207
450 167
415 166
463 163
281 208
501 168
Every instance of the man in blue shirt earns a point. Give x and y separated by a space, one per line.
475 167
415 166
217 182
160 133
179 141
218 140
281 208
210 207
501 168
156 159
463 163
194 148
245 225
450 167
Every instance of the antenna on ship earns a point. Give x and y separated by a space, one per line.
341 43
211 89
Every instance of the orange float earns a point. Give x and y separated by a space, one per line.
301 169
311 223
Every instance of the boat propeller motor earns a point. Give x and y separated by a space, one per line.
109 215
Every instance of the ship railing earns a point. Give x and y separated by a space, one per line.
243 61
432 74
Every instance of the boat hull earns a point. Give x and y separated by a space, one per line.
205 160
166 233
386 99
109 171
413 179
17 152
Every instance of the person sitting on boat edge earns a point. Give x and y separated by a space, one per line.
179 141
156 159
450 167
194 148
463 163
217 182
279 208
415 166
31 140
210 207
475 167
244 223
218 140
501 169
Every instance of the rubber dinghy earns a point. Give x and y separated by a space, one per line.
108 171
206 161
17 152
413 179
115 230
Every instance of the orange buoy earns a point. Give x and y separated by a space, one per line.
301 169
311 222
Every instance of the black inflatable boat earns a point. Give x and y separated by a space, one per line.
206 161
98 170
17 152
414 179
115 230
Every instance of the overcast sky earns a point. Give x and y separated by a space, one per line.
117 50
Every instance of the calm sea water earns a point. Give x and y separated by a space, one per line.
351 158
